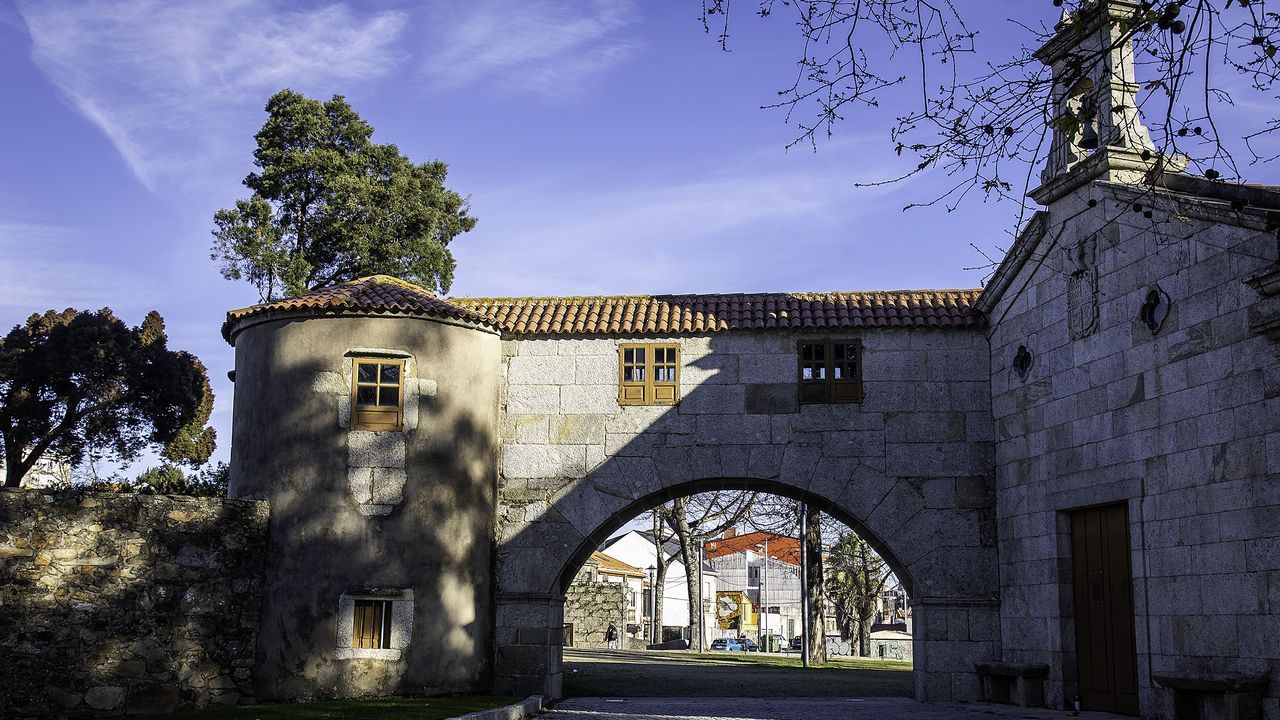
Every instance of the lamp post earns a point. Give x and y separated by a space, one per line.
653 605
702 615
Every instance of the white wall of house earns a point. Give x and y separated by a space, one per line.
635 549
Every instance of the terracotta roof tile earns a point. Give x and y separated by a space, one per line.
611 565
683 314
374 294
781 547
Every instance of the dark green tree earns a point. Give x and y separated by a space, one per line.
169 479
855 578
74 383
329 205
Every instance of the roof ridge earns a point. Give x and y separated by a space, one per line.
379 293
783 293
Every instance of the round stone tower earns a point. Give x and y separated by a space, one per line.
366 414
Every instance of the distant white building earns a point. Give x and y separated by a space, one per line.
637 548
48 472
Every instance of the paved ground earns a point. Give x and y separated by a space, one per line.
628 673
789 709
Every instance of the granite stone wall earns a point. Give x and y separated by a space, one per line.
590 605
909 467
122 603
1181 425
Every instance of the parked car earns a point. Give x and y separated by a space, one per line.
727 645
749 645
797 643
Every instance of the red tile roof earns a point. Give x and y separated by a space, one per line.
637 315
611 565
781 547
677 314
373 295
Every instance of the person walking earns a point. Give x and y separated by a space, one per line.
611 636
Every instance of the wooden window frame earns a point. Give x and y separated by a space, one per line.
649 391
371 623
834 391
374 418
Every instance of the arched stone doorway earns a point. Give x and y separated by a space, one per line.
936 548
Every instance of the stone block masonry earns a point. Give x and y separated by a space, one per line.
910 466
590 607
1173 424
116 603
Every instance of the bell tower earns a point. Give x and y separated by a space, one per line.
1097 131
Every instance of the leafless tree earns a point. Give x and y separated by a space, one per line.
780 515
694 520
661 536
982 120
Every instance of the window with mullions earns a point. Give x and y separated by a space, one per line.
371 624
830 371
648 374
377 401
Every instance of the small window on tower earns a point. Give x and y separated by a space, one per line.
371 624
377 401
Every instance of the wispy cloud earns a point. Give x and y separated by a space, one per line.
721 230
169 83
46 267
551 48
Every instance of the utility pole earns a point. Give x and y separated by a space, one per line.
764 597
805 631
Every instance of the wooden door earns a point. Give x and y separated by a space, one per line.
1106 655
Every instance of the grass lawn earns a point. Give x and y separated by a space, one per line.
618 673
437 708
793 661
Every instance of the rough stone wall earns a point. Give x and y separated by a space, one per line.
909 467
401 516
1183 426
126 603
591 604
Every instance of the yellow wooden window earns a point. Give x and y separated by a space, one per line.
377 394
371 624
830 371
648 374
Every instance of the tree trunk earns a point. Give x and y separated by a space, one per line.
660 578
816 585
692 563
864 636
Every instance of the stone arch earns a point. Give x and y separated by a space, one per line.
629 512
918 525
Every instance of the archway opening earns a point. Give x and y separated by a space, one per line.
726 587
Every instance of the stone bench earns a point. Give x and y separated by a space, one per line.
1013 683
1212 696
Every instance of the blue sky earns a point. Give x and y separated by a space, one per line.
607 146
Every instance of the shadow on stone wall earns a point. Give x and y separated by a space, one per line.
893 468
118 603
437 540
